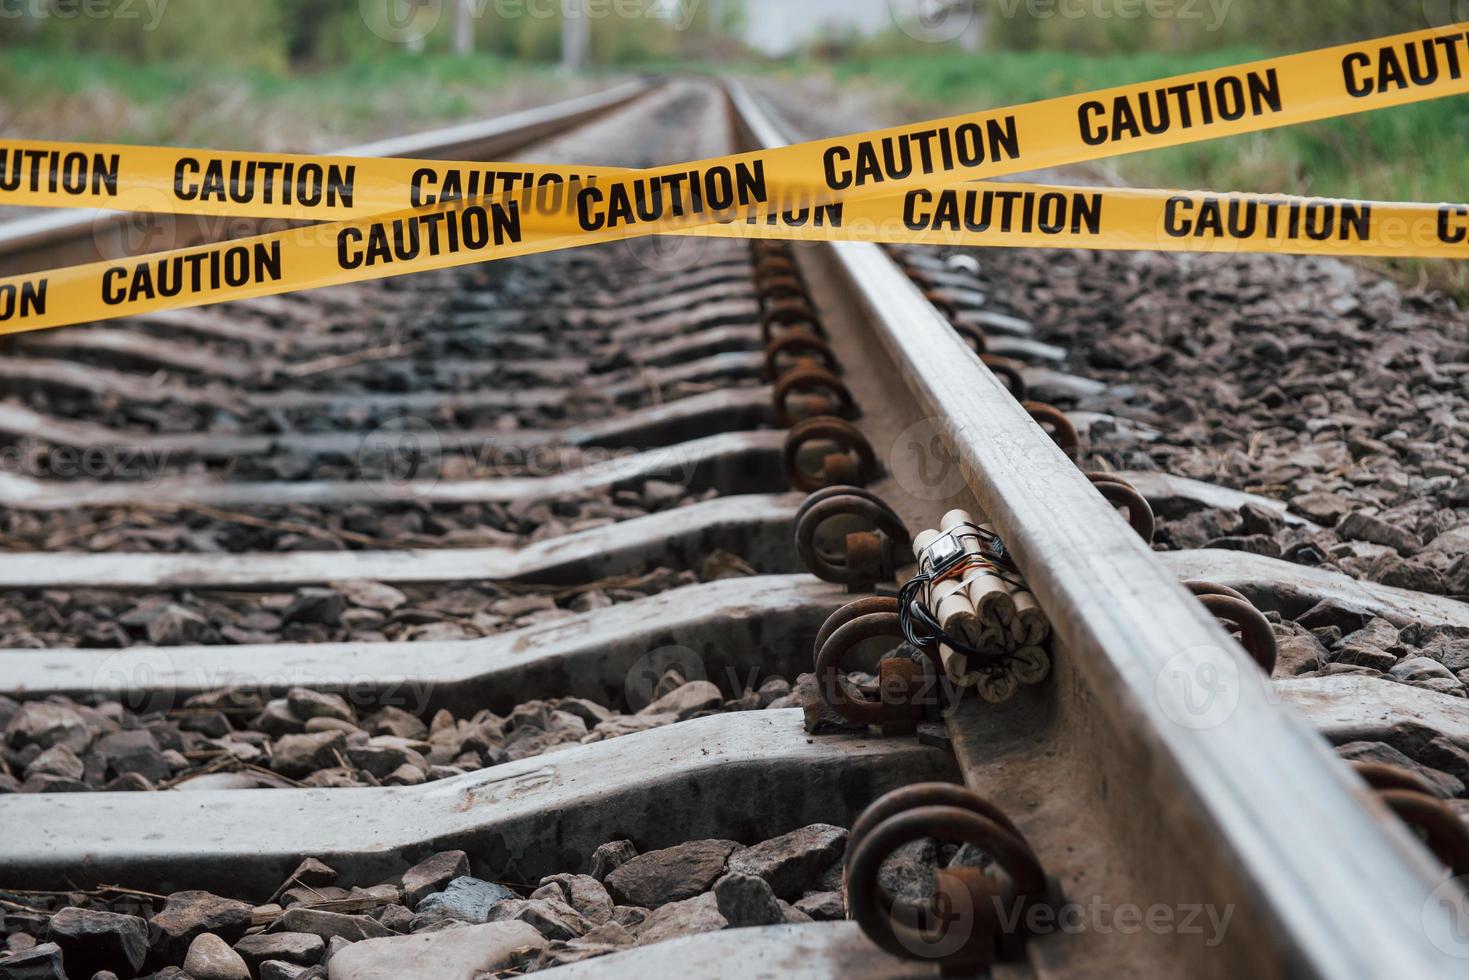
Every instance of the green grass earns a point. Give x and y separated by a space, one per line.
56 95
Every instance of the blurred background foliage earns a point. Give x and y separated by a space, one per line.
312 75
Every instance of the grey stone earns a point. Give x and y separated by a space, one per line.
693 915
277 719
300 894
300 948
467 899
395 917
93 940
382 761
396 721
1449 786
747 900
307 704
823 906
620 725
312 873
553 918
58 760
452 954
1298 653
371 595
316 605
1368 647
1401 573
793 915
1421 669
40 962
909 873
820 717
1364 527
43 782
611 856
772 690
281 970
334 946
173 626
684 701
46 724
328 925
793 862
187 914
1345 616
1323 508
432 874
629 916
210 958
671 874
405 775
588 711
584 893
135 751
301 755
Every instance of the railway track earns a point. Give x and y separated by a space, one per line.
465 624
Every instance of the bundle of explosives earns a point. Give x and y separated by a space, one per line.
969 600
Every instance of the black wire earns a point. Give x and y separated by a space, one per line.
910 609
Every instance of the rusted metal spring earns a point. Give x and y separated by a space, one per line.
798 345
1009 371
789 316
812 380
873 617
867 556
1063 433
1120 493
1415 801
968 905
854 463
1232 607
778 287
978 341
939 301
770 265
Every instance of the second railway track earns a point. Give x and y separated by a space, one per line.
482 600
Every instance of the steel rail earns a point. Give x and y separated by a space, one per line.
1245 806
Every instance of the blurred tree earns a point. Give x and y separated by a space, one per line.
576 35
463 37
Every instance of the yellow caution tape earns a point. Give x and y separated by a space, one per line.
984 214
990 213
908 183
